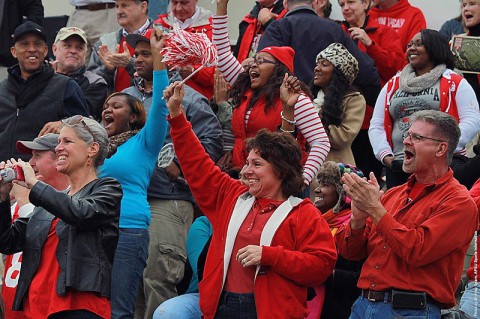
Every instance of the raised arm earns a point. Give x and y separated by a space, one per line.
156 126
227 63
306 118
210 190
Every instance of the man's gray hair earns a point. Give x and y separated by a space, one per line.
446 128
294 2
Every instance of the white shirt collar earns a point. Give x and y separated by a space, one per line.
185 24
142 28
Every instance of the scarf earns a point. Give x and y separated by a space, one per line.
318 102
121 138
335 220
411 83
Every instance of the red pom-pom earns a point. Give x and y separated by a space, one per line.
184 48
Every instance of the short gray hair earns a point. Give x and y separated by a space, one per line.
446 128
91 131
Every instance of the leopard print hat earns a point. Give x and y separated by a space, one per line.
339 56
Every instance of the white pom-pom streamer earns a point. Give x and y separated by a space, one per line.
184 48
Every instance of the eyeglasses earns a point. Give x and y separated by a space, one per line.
417 138
260 61
415 44
78 119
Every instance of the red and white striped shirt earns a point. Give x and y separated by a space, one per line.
307 120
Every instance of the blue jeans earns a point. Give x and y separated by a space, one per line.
181 307
364 309
128 264
467 303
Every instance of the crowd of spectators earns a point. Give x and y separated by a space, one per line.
322 169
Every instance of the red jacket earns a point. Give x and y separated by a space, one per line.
257 120
420 244
403 18
475 193
249 27
385 50
301 254
202 81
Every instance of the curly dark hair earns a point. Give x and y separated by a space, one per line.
332 109
282 151
271 91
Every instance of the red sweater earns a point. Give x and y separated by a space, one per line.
414 246
302 252
386 49
403 18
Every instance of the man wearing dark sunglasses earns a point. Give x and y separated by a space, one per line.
415 236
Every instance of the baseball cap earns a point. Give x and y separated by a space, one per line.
46 142
67 32
133 39
29 27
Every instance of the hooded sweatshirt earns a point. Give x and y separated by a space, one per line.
403 18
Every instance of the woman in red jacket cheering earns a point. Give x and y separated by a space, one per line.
267 246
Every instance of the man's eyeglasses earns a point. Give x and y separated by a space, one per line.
417 138
260 61
78 119
414 44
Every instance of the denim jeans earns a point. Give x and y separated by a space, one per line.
181 307
236 306
364 309
467 303
74 314
130 260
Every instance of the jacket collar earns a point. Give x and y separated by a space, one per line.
301 8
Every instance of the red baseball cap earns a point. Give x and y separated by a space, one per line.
283 54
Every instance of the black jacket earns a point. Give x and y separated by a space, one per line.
308 34
87 232
95 89
27 105
11 16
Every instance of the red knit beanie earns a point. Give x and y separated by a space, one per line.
283 54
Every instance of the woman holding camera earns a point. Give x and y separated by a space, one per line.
69 240
267 246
